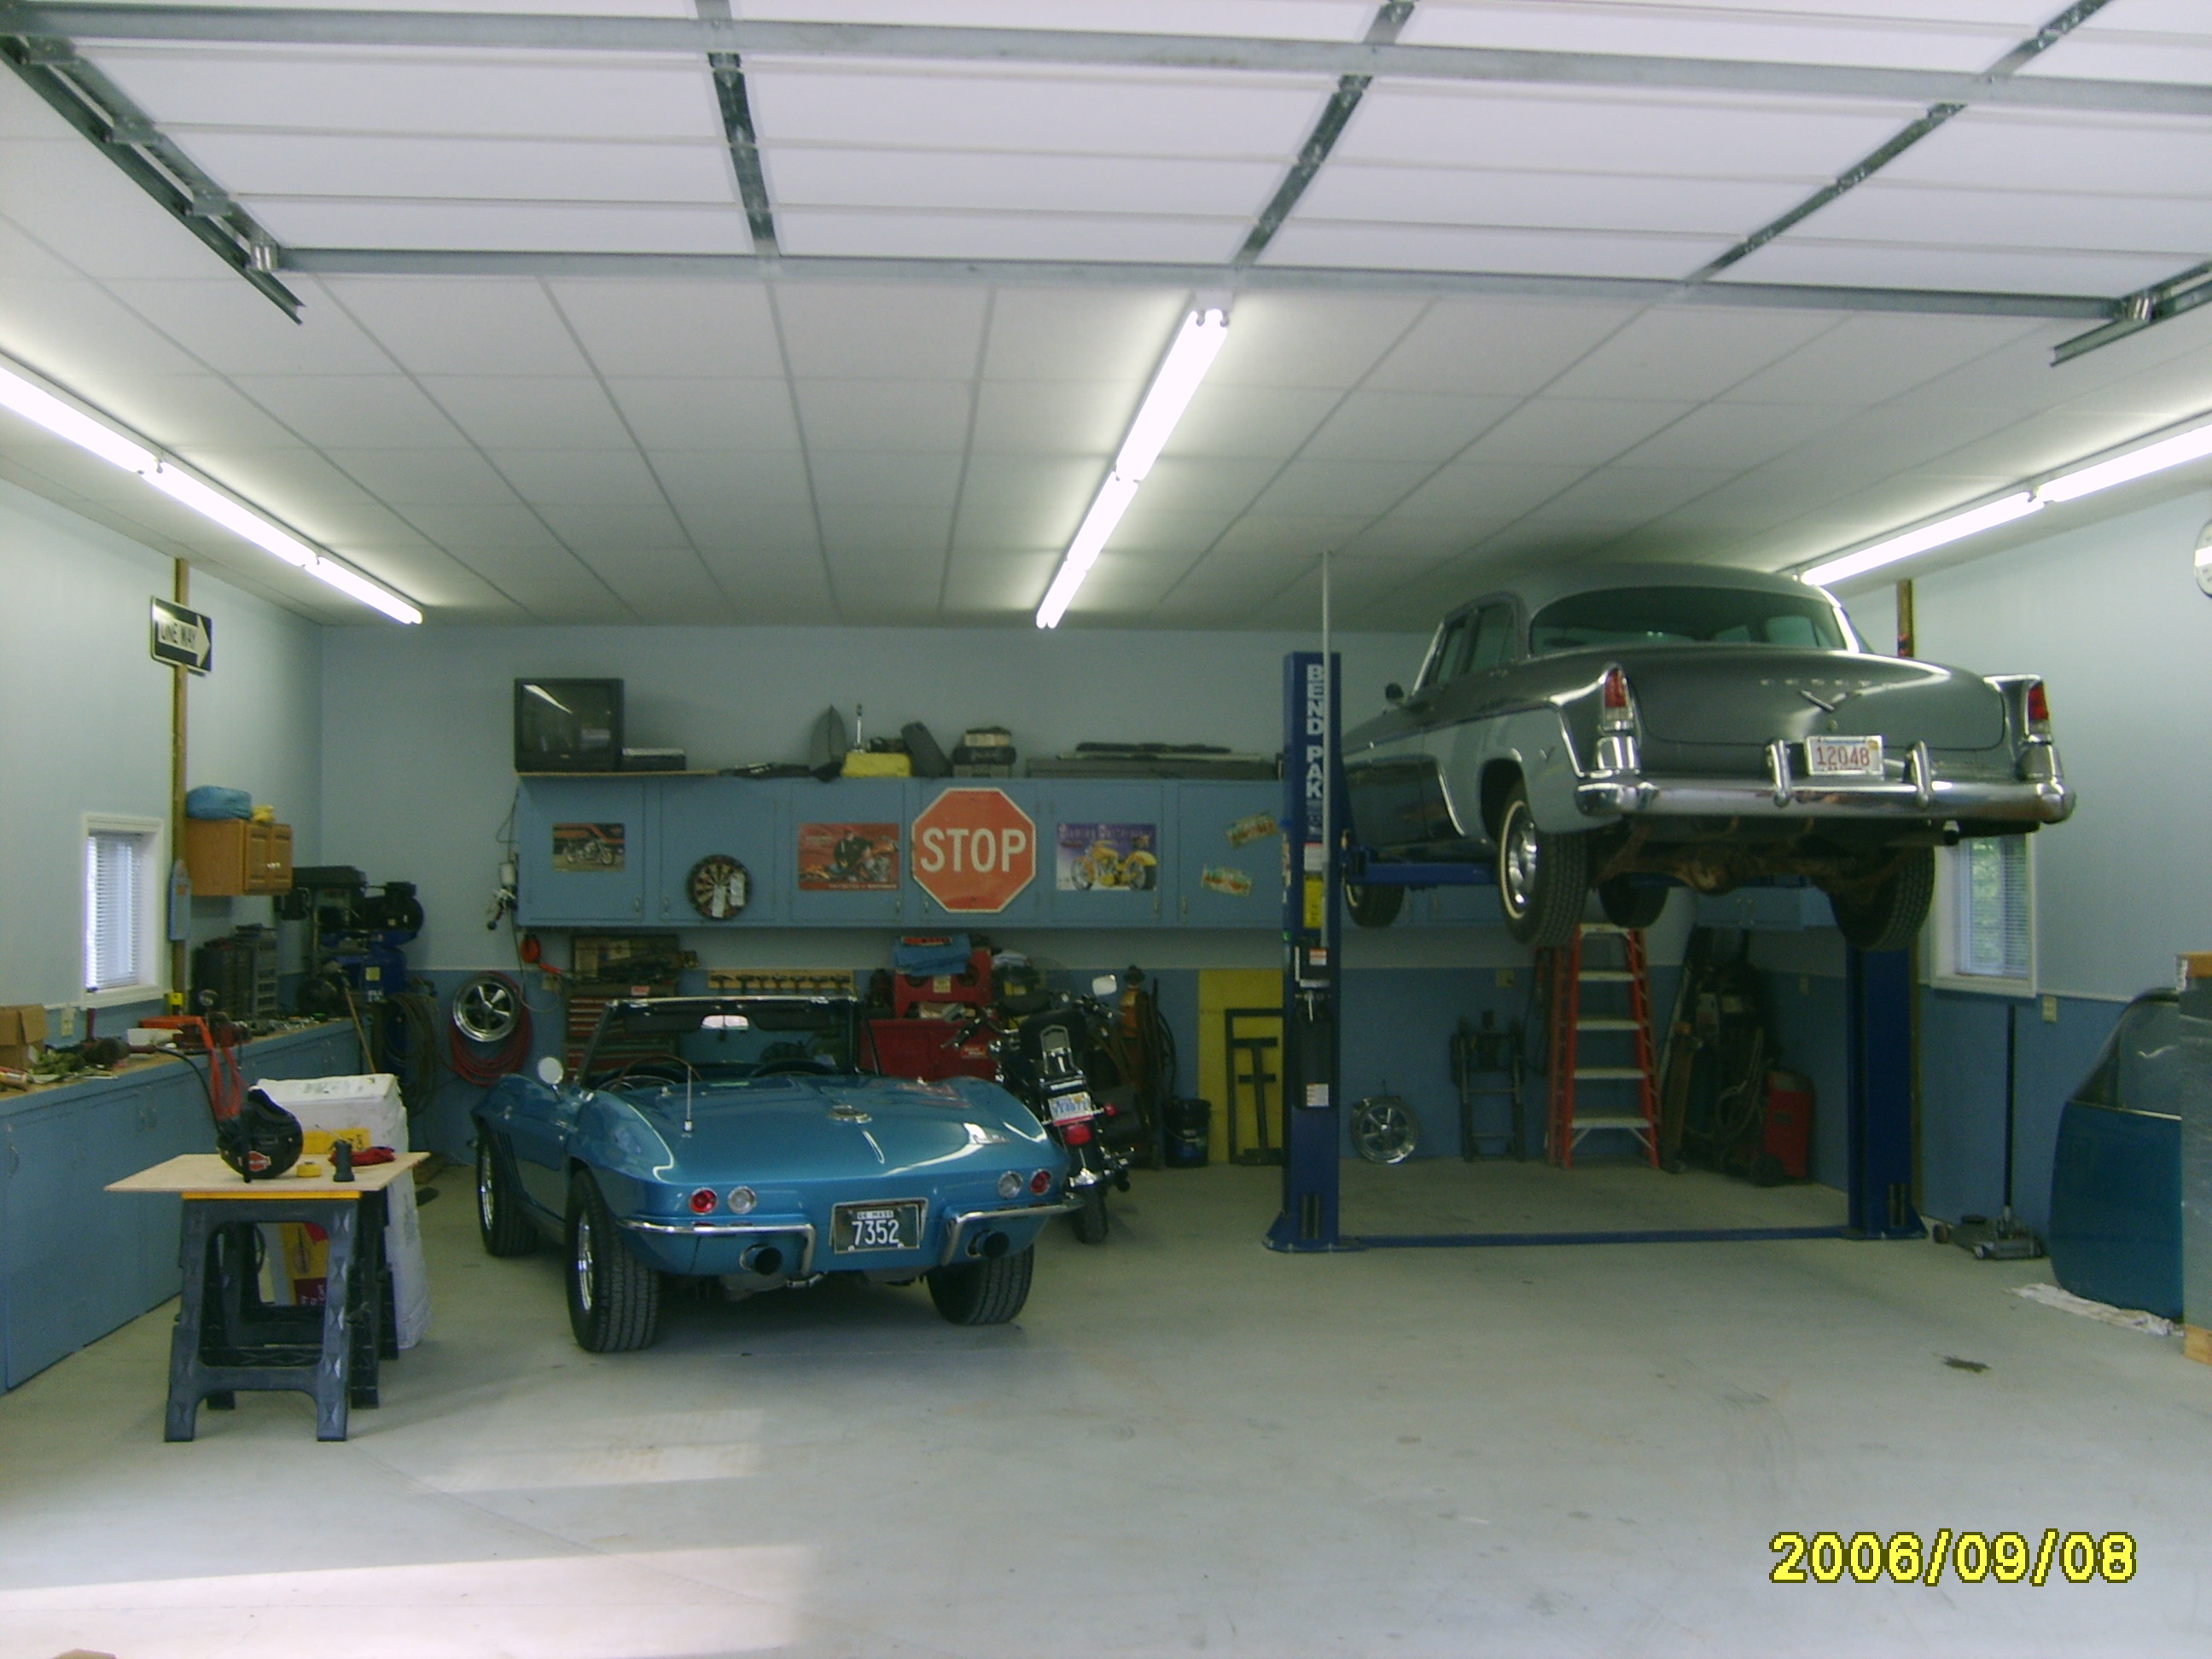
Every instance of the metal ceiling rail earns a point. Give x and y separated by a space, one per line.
1021 273
1067 47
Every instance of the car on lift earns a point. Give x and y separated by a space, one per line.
1629 727
738 1138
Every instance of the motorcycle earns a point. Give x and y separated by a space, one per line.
1056 1059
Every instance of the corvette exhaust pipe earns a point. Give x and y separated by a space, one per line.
990 1246
763 1259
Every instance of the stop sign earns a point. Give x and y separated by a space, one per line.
974 849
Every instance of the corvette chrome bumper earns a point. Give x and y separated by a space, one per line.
956 1226
720 1230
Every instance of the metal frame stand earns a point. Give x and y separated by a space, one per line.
1878 991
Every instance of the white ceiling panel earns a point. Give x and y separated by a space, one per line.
1404 426
607 477
1505 348
1869 359
302 90
509 412
1309 339
511 227
600 530
1061 487
460 526
1473 491
1595 131
235 331
448 477
920 415
1022 111
997 182
1688 354
1210 484
264 165
463 325
1363 489
996 584
1733 435
1177 534
355 411
81 209
1932 41
671 588
2057 150
879 480
665 328
1315 20
1614 499
1257 422
909 534
565 8
2155 227
1442 247
1452 196
882 234
2037 270
1079 334
1564 431
724 479
749 416
1402 537
874 331
182 412
2125 50
1053 417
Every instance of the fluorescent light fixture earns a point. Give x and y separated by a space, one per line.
1196 345
2122 468
2018 505
40 406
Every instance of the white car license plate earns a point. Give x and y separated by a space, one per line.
1843 757
893 1226
1072 1108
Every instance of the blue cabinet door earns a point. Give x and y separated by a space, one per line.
1107 854
700 818
1228 855
74 1256
844 846
586 850
1026 909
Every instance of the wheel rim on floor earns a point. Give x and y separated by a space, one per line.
1385 1130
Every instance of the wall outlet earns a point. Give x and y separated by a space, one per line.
65 1020
1506 978
2050 1009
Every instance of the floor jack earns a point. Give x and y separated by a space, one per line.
2005 1239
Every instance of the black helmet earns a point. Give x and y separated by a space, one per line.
260 1141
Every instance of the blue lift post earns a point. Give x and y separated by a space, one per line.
1313 821
1878 991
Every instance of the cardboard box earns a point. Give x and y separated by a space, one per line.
2189 964
23 1028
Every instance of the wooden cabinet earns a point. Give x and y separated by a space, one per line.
227 857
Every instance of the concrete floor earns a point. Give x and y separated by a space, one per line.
1188 1445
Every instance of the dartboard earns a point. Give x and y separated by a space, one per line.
719 887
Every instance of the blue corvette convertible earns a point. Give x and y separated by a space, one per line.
739 1139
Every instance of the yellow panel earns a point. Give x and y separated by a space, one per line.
1218 990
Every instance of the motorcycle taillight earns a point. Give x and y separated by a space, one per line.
1075 1134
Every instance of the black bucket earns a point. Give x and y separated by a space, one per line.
1190 1126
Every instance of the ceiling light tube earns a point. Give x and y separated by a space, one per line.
34 403
1196 345
2018 505
2123 469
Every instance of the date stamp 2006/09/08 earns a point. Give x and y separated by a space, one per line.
1966 1557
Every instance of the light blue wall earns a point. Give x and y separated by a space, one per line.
84 725
417 729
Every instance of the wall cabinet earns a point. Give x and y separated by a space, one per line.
229 857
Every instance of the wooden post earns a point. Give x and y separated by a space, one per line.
180 680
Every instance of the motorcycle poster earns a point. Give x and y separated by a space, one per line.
848 858
587 849
1106 857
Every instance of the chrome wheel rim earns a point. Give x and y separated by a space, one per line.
485 1010
1386 1133
584 1262
484 1208
1516 861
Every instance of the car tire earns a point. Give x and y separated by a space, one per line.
1373 906
1089 1216
614 1298
988 1292
1543 879
1889 917
1627 905
501 1222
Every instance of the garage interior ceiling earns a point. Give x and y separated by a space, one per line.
844 322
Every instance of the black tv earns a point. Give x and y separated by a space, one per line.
567 725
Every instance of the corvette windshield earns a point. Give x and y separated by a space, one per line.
721 1037
1617 617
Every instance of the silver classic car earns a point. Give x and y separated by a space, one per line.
1632 726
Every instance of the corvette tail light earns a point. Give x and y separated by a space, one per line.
2039 710
1041 1182
703 1201
1010 1184
1616 703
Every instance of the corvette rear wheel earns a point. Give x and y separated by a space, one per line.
1888 917
1543 879
988 1292
1373 906
501 1223
614 1298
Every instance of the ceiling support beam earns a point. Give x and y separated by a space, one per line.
738 132
121 131
2173 297
1249 279
502 31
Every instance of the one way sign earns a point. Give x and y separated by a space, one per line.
182 637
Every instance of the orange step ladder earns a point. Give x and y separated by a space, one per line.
1569 974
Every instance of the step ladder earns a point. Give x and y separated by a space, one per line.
1618 1026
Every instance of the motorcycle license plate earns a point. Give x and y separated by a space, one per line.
1843 757
859 1227
1074 1107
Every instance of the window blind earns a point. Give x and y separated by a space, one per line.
115 946
1992 922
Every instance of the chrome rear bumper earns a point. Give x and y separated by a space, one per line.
956 1226
704 1230
1917 798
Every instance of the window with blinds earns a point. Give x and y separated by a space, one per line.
1992 935
118 909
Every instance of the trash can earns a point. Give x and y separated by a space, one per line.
1190 1133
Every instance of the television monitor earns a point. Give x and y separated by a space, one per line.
567 725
